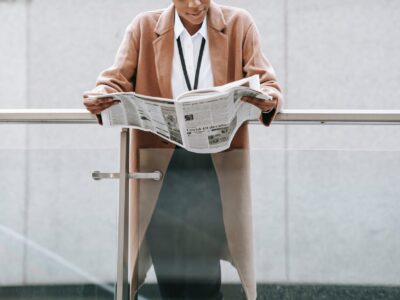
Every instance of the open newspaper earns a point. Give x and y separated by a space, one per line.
201 121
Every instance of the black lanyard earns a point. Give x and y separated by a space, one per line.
196 79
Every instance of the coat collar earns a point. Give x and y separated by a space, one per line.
164 47
216 18
165 21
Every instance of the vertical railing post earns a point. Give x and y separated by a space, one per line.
122 287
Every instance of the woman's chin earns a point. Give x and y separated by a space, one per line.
196 18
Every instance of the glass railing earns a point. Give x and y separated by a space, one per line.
58 227
324 209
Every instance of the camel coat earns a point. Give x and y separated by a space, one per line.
144 64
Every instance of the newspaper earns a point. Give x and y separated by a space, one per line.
201 121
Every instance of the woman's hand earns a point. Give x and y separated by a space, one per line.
95 105
263 105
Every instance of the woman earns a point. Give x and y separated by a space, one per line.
201 212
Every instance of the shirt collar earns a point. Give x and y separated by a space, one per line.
179 28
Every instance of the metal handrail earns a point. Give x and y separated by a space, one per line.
49 116
287 116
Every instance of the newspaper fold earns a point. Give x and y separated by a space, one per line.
201 121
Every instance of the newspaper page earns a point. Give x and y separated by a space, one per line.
146 113
201 121
210 123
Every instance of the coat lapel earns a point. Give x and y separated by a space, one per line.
218 43
163 47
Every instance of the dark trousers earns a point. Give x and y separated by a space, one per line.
186 233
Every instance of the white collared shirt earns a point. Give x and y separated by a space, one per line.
191 49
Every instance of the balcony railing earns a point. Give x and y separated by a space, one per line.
81 116
287 116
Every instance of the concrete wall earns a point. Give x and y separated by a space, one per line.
325 198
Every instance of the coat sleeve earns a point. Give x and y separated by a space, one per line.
120 77
254 62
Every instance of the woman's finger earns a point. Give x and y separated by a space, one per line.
90 100
97 102
95 107
261 104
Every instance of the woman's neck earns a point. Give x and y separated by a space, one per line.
191 28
